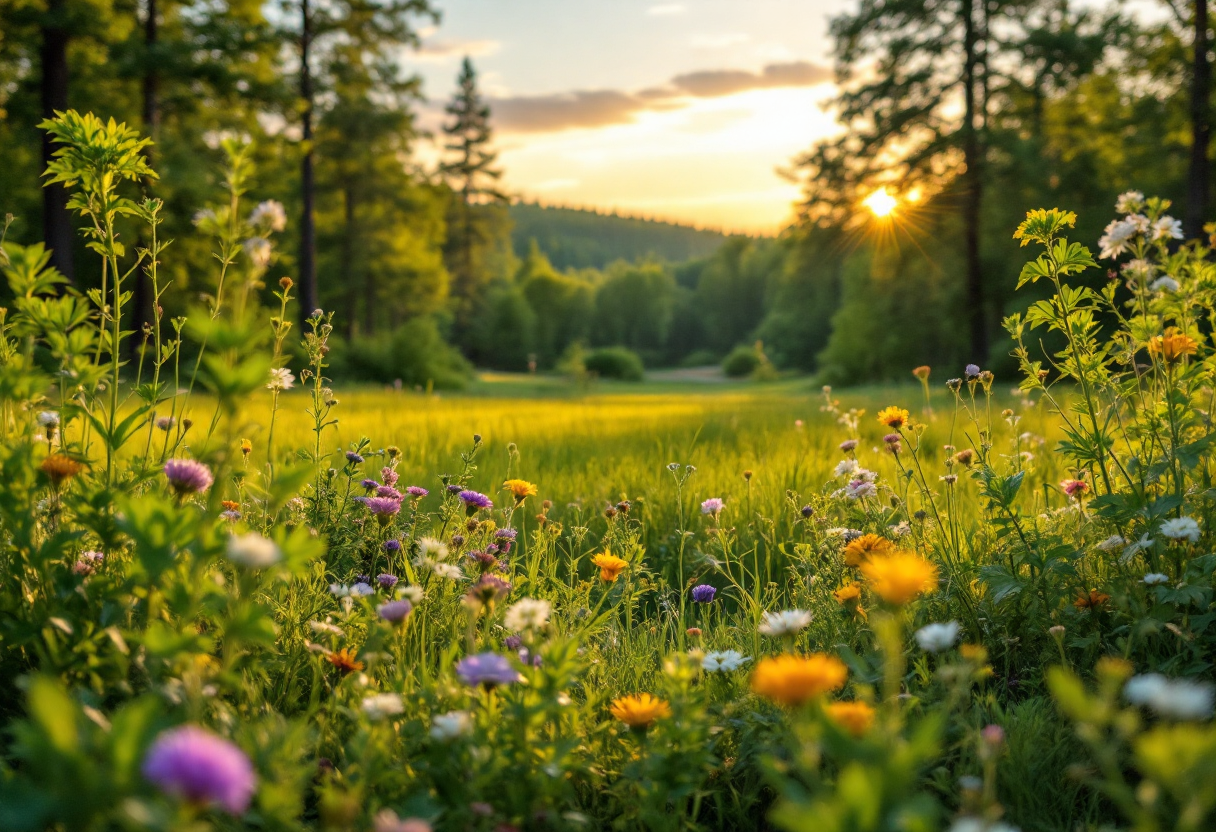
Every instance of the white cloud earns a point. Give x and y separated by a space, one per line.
444 50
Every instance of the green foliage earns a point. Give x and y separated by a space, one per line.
414 354
619 363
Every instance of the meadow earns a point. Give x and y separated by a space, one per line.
235 594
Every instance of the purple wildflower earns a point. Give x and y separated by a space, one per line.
389 476
713 506
386 580
201 767
395 611
351 456
417 492
390 492
513 642
506 534
370 484
808 511
972 372
363 579
188 476
454 489
703 593
87 563
475 501
383 507
230 515
457 540
848 445
504 547
485 560
891 438
488 669
526 656
392 546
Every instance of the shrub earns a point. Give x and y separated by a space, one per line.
615 362
415 353
742 361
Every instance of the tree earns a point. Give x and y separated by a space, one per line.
471 173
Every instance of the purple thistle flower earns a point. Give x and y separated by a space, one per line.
395 611
506 534
453 489
386 580
360 500
488 589
392 546
457 540
971 371
485 560
351 456
383 508
188 476
513 642
504 547
363 579
475 501
488 669
370 484
526 656
892 438
417 492
194 764
492 548
703 593
389 476
713 506
388 491
848 445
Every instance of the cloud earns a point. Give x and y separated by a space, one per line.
600 108
442 50
666 9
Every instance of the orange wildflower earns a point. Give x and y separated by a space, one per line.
854 717
793 680
861 549
345 660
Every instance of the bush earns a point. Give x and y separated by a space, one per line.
742 361
415 353
615 362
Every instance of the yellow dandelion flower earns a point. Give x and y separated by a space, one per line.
521 489
640 710
893 417
1173 345
850 593
610 566
793 680
861 549
854 717
900 576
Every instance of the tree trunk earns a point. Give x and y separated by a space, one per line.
56 220
142 290
977 314
308 242
1201 127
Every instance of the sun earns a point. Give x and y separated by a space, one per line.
881 203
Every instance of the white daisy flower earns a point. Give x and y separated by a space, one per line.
723 661
527 614
939 637
449 726
1181 528
1180 699
253 551
786 622
380 705
1155 578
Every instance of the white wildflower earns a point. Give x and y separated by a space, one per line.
48 419
938 638
1141 223
361 590
326 627
784 623
1114 241
723 661
1180 699
412 593
527 614
253 551
280 379
970 824
1167 228
1155 578
451 725
1165 283
1181 528
1129 202
845 467
379 705
859 489
339 590
258 251
269 214
432 548
1133 549
448 570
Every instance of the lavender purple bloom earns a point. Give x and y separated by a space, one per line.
386 580
475 501
971 371
383 508
370 484
389 476
351 456
392 546
487 669
194 764
506 534
417 492
703 593
188 476
713 506
513 642
395 611
389 491
453 489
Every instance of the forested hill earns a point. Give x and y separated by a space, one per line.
574 238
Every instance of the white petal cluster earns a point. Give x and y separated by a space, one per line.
527 615
723 661
784 623
939 637
449 726
1181 528
253 551
381 705
1180 699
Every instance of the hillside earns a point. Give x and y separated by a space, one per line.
574 238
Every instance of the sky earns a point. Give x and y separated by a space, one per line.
681 111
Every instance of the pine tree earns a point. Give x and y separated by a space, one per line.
475 224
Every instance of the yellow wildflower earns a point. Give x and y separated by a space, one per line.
640 710
854 717
610 566
793 680
900 576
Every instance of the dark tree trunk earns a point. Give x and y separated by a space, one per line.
346 269
308 232
142 290
56 220
1201 127
977 314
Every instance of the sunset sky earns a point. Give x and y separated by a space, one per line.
676 110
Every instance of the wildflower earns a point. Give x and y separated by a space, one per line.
971 824
640 710
1112 542
846 467
1091 600
860 489
1167 228
1173 345
610 566
361 588
1129 202
520 489
1181 528
412 593
449 726
474 501
723 661
922 372
87 563
861 549
1145 542
937 638
258 250
269 214
794 680
971 372
713 506
395 612
380 705
450 571
280 379
486 669
965 457
383 508
893 417
949 479
848 594
60 467
345 660
954 384
432 547
488 590
48 419
416 492
389 492
1154 578
196 765
246 447
784 623
1165 283
253 551
807 511
854 717
1180 699
703 593
1074 488
165 423
1115 239
386 580
188 476
527 614
900 576
386 820
847 446
354 457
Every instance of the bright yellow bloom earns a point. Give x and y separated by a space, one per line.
522 489
610 566
246 447
900 576
893 417
1173 345
848 594
861 549
640 710
793 680
854 717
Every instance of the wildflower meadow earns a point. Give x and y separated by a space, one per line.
237 594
